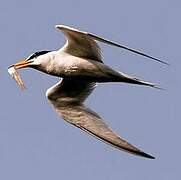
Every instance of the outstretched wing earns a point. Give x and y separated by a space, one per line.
82 44
67 98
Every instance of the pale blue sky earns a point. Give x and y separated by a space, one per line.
36 144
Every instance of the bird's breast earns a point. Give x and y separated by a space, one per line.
69 66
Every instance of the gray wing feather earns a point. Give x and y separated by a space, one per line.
86 44
80 44
90 122
67 98
125 47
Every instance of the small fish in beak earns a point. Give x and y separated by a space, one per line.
14 73
16 76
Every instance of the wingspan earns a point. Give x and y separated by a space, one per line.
67 98
82 44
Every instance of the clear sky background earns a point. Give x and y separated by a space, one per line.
37 144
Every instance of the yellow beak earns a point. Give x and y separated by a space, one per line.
22 64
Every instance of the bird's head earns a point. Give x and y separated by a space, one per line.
38 60
35 60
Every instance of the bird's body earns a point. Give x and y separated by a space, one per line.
80 65
64 65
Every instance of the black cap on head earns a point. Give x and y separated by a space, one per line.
36 54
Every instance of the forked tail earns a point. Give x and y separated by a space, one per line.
133 80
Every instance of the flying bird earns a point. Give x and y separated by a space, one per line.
80 66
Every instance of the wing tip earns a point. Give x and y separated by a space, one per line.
159 88
145 155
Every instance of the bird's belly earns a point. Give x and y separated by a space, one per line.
80 68
83 69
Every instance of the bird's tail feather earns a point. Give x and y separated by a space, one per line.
133 80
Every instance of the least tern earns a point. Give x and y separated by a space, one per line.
79 64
